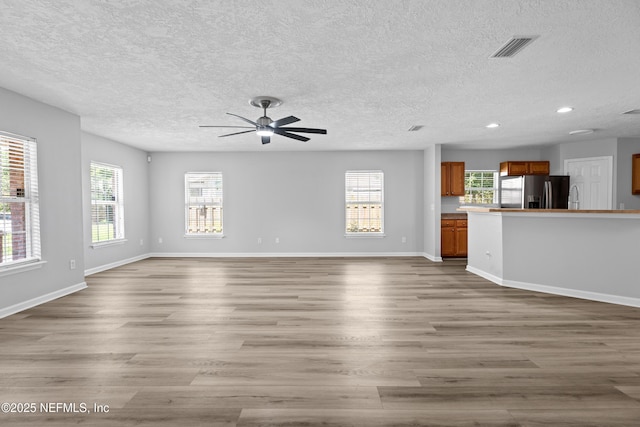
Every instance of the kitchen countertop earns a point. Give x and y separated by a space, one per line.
551 211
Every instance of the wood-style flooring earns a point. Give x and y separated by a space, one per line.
318 342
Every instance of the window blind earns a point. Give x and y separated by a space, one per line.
203 203
364 202
107 203
19 212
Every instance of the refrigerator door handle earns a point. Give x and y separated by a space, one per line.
547 196
550 196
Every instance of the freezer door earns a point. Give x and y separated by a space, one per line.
511 191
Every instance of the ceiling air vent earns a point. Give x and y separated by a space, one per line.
636 111
513 46
415 128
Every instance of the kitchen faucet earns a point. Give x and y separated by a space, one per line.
574 204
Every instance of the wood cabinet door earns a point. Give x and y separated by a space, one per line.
518 168
444 179
461 241
456 179
635 172
539 168
447 241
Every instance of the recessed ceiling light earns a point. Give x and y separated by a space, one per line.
493 125
564 110
581 132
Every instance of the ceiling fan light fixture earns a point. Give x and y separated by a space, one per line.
264 131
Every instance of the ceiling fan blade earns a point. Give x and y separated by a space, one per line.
236 133
243 118
284 121
283 132
235 127
306 130
266 140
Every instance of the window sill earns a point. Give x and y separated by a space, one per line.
365 235
204 236
108 243
21 267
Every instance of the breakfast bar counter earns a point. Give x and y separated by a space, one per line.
590 254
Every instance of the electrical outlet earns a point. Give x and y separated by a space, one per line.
259 240
141 242
72 264
404 239
159 239
277 240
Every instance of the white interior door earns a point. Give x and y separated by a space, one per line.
594 178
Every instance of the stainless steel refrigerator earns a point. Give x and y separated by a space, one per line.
534 192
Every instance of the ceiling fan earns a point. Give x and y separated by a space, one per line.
265 127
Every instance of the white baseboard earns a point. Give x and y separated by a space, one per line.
280 254
94 270
554 290
432 257
16 308
490 277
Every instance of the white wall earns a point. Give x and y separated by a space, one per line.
135 170
558 153
297 197
59 178
431 184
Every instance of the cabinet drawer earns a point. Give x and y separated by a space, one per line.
448 223
461 223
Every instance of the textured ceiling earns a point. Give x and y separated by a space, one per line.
148 72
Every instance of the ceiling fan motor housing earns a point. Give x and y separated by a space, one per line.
264 121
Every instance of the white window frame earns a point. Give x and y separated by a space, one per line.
469 190
353 198
215 202
31 255
117 205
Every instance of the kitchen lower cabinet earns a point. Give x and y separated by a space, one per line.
453 237
461 240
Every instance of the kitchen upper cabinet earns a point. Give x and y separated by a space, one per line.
539 168
635 173
513 168
452 179
453 237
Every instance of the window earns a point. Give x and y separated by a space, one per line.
480 187
19 216
364 202
203 204
107 203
